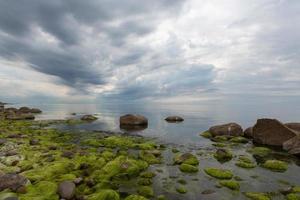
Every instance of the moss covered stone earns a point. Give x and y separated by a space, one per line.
206 134
219 173
147 174
146 191
223 155
181 189
161 197
257 196
239 139
188 168
293 196
260 151
233 185
43 190
135 197
245 162
105 195
276 165
186 158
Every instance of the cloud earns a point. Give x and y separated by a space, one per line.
151 49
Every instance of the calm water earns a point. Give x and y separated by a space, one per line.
198 117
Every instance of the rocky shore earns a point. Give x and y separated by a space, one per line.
42 163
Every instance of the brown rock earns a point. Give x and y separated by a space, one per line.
35 110
174 119
24 110
66 190
34 142
88 118
248 133
271 132
292 145
12 182
133 120
231 129
294 126
68 154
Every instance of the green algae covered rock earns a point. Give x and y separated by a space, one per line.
257 196
223 155
161 197
233 185
105 195
206 134
220 138
276 165
146 191
135 197
186 158
147 174
239 139
219 173
121 165
188 168
293 196
43 190
181 189
149 157
296 189
245 162
260 151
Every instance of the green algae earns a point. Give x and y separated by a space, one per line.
147 174
233 185
149 157
293 196
260 151
257 196
161 197
188 168
181 189
44 190
186 158
146 191
296 189
239 139
245 162
219 173
105 195
223 155
145 181
275 165
135 197
206 134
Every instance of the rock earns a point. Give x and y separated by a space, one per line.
78 180
66 190
35 110
248 133
24 110
295 126
89 118
223 155
208 191
174 119
12 182
231 129
271 132
68 154
34 142
22 116
2 141
133 120
292 145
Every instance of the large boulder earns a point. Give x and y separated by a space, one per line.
174 119
292 145
24 110
35 110
12 182
295 126
271 132
134 120
230 129
248 133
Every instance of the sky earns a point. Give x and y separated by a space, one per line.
158 50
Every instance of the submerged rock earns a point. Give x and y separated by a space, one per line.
219 173
223 155
174 119
133 120
66 190
12 182
230 129
88 118
276 165
271 132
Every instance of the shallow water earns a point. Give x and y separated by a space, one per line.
198 116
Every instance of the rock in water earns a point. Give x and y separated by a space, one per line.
231 129
174 119
35 110
89 118
294 126
12 182
66 190
248 133
271 132
292 145
133 120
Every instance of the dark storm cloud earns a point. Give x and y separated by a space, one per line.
66 20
